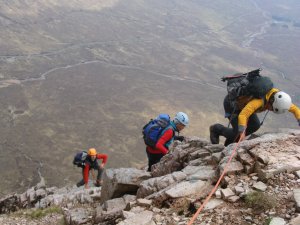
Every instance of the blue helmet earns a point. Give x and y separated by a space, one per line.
182 118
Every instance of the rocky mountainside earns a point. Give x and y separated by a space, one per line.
261 186
76 74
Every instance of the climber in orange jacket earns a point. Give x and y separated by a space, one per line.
91 163
244 117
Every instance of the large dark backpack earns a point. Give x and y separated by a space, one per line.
248 84
79 158
153 129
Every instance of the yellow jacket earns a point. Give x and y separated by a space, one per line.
258 105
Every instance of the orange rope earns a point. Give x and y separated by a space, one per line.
217 184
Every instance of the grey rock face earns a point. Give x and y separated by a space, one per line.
144 202
110 210
156 184
117 182
9 204
260 186
77 216
188 180
277 221
213 203
235 167
180 156
295 221
142 218
188 188
297 198
113 205
199 172
227 193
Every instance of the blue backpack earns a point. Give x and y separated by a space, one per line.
153 129
80 158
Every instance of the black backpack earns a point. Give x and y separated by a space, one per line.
79 159
248 84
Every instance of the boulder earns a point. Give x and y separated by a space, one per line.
110 210
201 153
282 153
114 205
199 172
77 216
158 198
142 218
189 188
144 202
246 159
260 186
180 156
197 142
156 184
213 203
170 163
295 221
117 182
277 221
214 148
235 167
227 193
296 197
9 203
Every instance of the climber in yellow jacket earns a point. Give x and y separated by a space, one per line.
244 115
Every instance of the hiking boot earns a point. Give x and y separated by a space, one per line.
215 131
80 183
98 183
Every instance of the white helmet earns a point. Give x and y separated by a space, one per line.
182 118
282 102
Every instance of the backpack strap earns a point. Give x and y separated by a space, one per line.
170 126
271 100
262 122
167 128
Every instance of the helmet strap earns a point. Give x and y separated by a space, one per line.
271 99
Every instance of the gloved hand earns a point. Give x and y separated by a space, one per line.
240 137
179 138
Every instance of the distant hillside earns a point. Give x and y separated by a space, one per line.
80 74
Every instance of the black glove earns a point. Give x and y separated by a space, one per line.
179 138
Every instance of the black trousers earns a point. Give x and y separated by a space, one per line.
231 134
153 159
